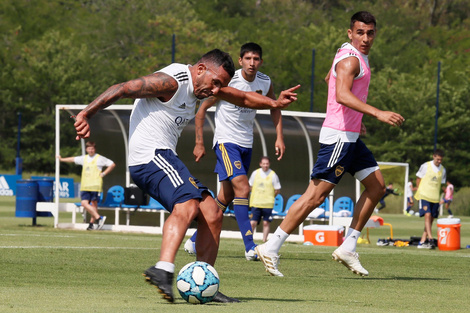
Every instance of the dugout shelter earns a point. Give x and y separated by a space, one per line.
109 129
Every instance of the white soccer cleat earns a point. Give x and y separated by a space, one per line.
101 222
350 260
190 246
251 255
270 261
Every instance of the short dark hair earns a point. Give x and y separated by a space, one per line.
251 47
90 144
439 152
219 58
364 17
264 157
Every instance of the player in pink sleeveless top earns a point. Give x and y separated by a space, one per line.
341 150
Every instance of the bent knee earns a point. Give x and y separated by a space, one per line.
211 212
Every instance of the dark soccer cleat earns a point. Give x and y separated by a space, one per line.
161 279
221 298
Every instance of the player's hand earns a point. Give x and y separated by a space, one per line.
390 118
280 149
199 151
286 97
81 126
363 130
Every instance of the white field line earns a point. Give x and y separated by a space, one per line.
72 247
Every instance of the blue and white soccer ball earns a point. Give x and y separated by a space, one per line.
198 282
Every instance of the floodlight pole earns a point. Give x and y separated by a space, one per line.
173 48
19 161
437 103
312 80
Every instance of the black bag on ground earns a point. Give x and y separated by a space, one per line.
133 195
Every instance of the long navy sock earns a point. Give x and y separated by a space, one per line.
240 206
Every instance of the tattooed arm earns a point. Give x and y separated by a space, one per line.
156 85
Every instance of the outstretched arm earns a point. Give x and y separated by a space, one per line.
347 70
156 85
68 160
199 149
255 100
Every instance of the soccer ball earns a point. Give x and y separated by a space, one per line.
198 282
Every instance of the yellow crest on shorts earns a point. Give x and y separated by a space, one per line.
339 170
238 164
191 180
425 208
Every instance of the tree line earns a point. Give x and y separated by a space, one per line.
69 51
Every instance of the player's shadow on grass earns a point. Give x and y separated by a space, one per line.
31 225
401 278
248 299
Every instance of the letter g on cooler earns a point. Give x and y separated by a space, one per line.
443 233
320 236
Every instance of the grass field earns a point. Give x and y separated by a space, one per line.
54 270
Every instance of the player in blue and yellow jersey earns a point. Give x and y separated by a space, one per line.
233 141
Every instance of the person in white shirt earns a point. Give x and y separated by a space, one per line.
165 102
233 141
92 181
265 186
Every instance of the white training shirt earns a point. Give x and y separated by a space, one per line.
275 178
409 189
100 162
158 125
234 124
423 168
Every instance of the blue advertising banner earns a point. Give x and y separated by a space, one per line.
66 188
8 184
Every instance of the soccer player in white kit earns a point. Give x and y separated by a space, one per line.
233 141
165 103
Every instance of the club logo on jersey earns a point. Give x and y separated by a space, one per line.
191 180
238 164
183 106
339 170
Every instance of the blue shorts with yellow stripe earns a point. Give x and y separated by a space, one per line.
167 179
232 160
343 157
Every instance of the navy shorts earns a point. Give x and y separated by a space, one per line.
90 195
428 207
167 179
257 213
336 159
232 160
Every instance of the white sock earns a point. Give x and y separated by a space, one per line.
273 245
349 232
350 243
166 266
